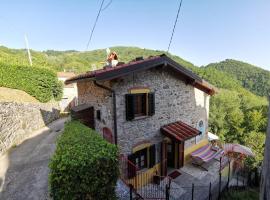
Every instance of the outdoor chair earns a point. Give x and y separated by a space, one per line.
205 154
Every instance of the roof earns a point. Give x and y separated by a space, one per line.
179 131
65 74
81 107
109 73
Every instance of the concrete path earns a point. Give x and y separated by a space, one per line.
24 169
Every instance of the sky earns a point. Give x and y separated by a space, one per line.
207 30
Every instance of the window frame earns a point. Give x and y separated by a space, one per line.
137 159
141 98
146 104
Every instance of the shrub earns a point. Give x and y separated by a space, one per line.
248 194
40 83
84 165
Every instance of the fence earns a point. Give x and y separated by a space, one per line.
143 184
151 186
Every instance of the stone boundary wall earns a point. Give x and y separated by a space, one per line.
19 120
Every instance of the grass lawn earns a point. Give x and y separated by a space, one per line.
249 194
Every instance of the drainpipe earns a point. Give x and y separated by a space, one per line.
114 108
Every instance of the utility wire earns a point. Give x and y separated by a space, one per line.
92 31
105 7
179 8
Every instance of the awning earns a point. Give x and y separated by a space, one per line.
179 131
212 136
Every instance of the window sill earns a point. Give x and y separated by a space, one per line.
140 117
143 170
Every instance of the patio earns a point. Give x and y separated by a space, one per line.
181 186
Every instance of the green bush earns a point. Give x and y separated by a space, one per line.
248 194
40 83
84 165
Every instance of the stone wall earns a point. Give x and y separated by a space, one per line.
174 100
19 120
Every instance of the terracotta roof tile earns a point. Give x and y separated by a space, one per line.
179 131
109 73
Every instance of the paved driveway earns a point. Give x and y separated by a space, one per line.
24 169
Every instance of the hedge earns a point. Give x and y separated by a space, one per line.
84 165
40 83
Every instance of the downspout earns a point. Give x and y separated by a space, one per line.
114 108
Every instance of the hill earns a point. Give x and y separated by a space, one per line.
251 77
78 61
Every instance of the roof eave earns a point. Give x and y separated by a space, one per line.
79 80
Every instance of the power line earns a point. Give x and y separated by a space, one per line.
92 31
179 8
105 7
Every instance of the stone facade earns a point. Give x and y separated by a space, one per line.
174 101
19 120
100 99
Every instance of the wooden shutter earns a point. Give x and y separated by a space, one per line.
131 168
144 111
152 156
129 107
151 104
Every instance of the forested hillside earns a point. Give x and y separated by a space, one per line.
251 77
77 61
237 113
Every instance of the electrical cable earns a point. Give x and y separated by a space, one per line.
92 31
179 8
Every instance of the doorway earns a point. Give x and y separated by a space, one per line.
171 155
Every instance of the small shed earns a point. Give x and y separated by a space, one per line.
85 114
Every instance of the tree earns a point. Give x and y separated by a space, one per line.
265 178
255 141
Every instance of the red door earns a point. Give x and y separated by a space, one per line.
107 135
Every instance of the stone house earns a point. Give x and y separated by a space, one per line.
154 109
69 98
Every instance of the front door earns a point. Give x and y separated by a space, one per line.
181 154
171 154
164 160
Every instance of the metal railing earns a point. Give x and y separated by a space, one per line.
152 186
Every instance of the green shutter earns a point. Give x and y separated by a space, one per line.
151 104
152 156
129 107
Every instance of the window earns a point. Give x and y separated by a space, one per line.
140 158
140 104
98 115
